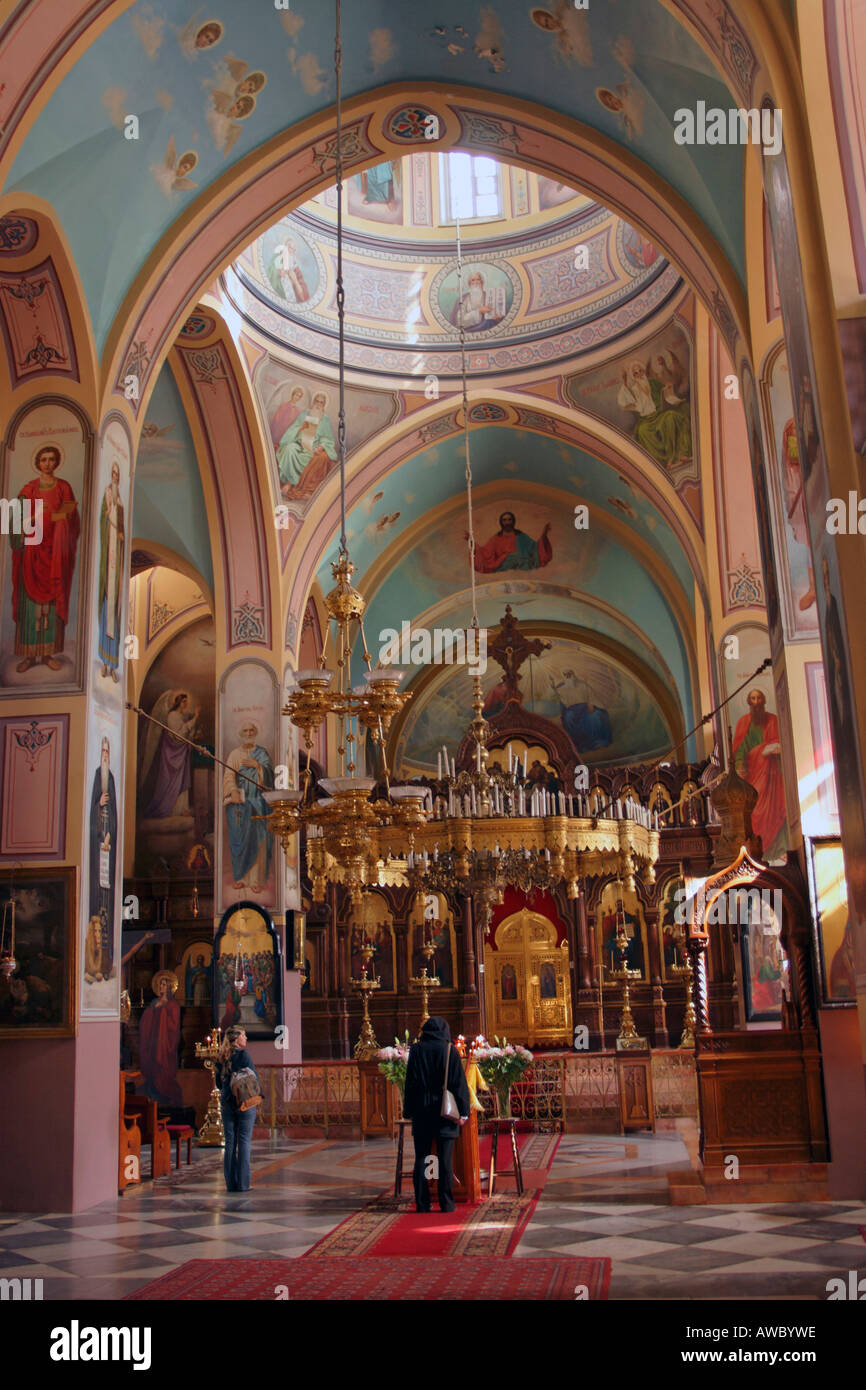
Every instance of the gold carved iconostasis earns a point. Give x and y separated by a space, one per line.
527 974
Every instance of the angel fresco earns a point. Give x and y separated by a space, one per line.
171 175
195 37
624 102
570 29
232 99
166 769
657 392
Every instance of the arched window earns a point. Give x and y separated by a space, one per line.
470 186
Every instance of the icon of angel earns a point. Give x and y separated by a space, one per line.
234 85
195 38
171 174
224 119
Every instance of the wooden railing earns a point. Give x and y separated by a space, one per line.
311 1095
563 1090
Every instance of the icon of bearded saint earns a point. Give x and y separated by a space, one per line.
653 393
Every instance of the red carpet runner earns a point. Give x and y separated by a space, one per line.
535 1280
386 1227
388 1251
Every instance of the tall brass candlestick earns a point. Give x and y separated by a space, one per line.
366 1047
211 1135
628 1038
425 982
688 1038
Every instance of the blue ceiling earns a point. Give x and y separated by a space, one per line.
111 193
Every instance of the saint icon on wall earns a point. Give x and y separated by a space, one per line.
757 754
657 392
307 452
42 574
508 982
482 302
159 1039
112 539
250 772
99 943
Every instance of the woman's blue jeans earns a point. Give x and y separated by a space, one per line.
238 1127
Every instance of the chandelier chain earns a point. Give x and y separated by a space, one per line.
470 519
341 294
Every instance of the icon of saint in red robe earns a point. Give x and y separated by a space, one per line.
42 574
757 759
158 1040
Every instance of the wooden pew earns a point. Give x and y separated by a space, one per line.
129 1150
154 1131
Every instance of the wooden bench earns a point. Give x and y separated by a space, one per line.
153 1131
129 1150
179 1133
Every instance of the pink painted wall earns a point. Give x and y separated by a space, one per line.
845 1093
97 1102
59 1152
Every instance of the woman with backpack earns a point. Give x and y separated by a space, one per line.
237 1091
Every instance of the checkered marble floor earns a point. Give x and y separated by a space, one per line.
606 1195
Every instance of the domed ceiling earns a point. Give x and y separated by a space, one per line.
547 273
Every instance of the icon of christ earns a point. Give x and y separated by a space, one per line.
511 549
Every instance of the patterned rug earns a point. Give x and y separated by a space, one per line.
539 1279
390 1227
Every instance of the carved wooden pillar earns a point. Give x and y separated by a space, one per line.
583 959
470 976
698 954
659 1008
588 998
471 994
403 944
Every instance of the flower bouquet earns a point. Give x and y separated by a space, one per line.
501 1066
392 1062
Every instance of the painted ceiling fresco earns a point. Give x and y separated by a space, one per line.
606 712
168 502
503 456
405 301
209 87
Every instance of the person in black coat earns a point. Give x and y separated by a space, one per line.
422 1103
238 1124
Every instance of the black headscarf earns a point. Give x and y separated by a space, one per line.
435 1030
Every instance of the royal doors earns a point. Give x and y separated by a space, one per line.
527 982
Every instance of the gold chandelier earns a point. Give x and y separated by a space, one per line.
480 830
342 827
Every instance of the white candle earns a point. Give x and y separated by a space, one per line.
439 767
453 769
478 757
